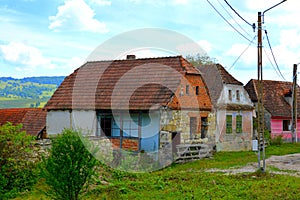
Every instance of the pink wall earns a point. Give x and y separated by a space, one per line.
277 126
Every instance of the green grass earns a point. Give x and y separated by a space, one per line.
190 181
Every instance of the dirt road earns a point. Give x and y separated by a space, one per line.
287 164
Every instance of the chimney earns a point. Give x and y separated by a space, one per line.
130 57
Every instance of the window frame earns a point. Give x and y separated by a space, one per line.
239 124
286 125
229 124
187 89
197 90
238 95
230 95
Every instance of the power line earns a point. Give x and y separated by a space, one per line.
271 62
242 53
252 25
233 19
227 21
273 54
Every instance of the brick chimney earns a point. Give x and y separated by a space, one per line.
130 57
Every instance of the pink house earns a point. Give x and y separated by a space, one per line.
277 100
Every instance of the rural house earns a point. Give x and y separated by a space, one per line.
32 119
135 104
277 102
232 107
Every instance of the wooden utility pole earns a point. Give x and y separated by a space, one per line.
260 107
294 106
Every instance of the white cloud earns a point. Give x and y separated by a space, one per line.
22 54
101 2
181 2
205 45
76 15
248 57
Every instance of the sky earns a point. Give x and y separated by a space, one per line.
54 37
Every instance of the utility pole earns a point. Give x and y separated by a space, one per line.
294 105
260 106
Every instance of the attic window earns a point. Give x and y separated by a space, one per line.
229 95
238 95
187 89
197 90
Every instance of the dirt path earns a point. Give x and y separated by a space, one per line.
287 164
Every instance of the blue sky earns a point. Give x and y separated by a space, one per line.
54 37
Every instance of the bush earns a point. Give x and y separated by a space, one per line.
18 168
277 140
69 167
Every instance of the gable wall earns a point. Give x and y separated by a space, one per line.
244 97
182 100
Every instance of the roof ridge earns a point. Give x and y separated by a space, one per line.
128 60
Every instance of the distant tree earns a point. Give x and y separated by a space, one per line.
199 59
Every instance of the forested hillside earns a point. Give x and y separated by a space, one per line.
27 92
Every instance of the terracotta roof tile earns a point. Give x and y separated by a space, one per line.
33 119
121 84
274 94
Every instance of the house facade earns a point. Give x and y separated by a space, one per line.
233 109
277 102
134 104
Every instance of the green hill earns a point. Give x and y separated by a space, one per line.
27 92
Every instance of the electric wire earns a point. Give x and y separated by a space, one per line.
252 25
234 19
242 53
227 21
271 62
273 54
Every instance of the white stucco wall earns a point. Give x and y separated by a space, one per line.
244 97
83 120
57 121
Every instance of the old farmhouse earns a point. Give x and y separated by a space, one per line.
277 101
136 104
232 107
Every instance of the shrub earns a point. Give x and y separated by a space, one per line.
277 140
69 167
18 168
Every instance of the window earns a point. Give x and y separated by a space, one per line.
197 90
187 88
286 125
113 125
238 95
105 125
130 126
229 95
228 123
239 124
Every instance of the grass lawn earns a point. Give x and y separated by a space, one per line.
190 181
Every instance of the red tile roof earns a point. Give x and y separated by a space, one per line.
215 77
122 84
33 119
274 93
